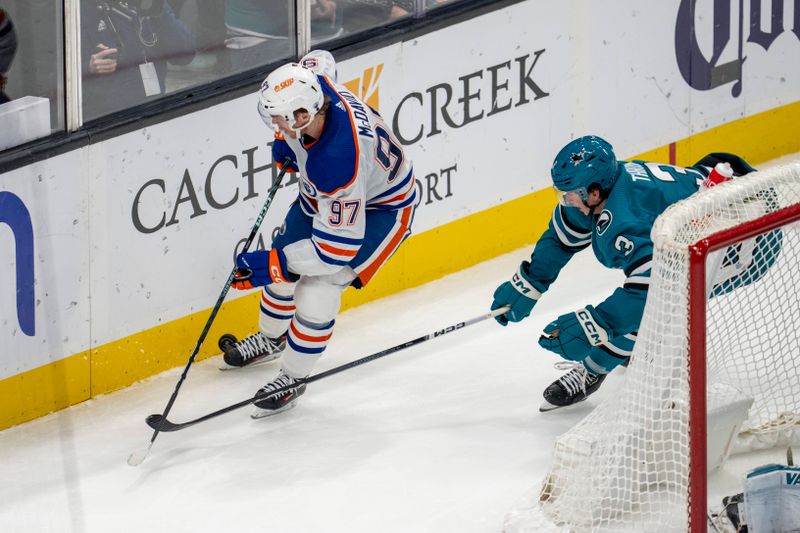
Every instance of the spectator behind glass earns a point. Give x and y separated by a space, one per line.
360 15
8 47
124 50
258 30
206 20
326 19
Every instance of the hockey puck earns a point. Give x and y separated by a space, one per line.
226 341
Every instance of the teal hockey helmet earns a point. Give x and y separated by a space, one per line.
584 162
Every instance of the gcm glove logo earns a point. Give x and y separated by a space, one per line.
14 213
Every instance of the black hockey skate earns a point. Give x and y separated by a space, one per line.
256 348
573 387
280 402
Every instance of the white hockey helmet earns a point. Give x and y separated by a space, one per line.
287 89
321 62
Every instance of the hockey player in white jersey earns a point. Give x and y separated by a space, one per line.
355 207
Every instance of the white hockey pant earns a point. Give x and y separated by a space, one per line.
306 312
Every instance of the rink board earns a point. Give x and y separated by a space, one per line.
133 237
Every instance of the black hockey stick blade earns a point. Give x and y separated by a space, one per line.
160 423
137 457
156 420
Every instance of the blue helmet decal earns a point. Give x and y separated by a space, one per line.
583 162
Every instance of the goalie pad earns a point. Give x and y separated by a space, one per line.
772 499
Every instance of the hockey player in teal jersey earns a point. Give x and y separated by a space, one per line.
611 206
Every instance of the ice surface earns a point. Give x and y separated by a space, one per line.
442 437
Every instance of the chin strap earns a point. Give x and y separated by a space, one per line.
591 208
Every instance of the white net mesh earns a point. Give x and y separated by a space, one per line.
625 467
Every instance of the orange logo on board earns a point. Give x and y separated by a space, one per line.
284 84
366 87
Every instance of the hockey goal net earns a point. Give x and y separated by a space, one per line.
720 335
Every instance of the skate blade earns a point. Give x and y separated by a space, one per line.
547 406
264 413
266 359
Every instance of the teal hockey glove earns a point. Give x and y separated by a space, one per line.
519 294
572 335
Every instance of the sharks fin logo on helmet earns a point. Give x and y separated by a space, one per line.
586 161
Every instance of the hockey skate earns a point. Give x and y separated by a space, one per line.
256 348
573 387
280 402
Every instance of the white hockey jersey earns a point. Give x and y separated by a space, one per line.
355 165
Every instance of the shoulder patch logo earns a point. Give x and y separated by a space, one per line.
603 221
308 188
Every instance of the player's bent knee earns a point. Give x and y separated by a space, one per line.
342 278
317 300
284 290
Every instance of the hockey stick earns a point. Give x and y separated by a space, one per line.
136 458
161 422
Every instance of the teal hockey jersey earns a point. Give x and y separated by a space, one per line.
619 236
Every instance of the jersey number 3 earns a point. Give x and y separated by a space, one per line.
624 245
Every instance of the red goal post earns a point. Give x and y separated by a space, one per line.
715 369
699 254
